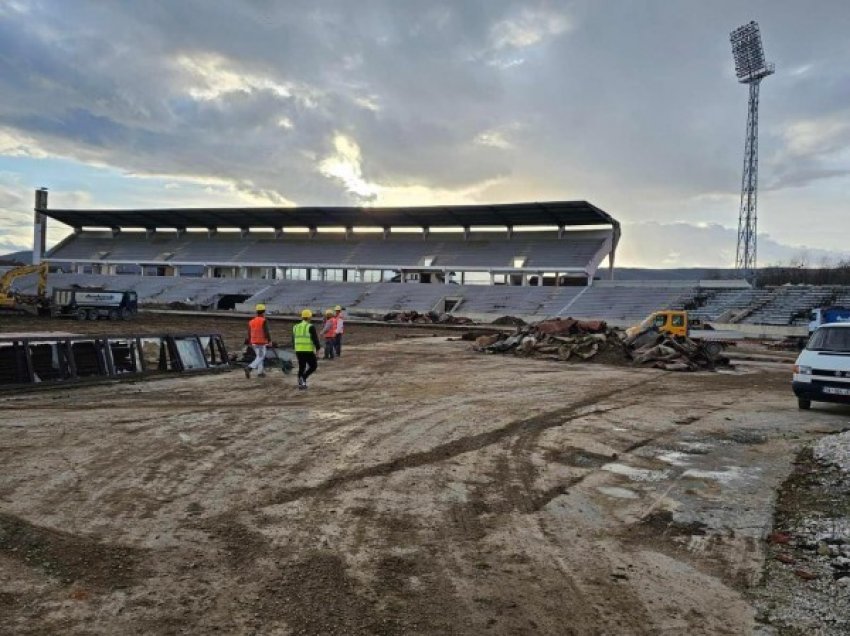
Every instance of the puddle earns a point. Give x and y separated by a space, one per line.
747 437
674 458
695 448
578 458
619 493
732 473
663 522
332 416
635 474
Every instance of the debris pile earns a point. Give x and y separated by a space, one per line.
428 318
673 353
511 321
570 339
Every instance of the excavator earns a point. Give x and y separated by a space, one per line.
11 300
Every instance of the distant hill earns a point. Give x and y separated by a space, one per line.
689 273
24 257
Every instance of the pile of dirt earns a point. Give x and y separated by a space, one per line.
428 318
576 340
511 321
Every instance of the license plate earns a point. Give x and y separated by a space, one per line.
831 390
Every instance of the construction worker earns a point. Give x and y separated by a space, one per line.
306 344
329 333
259 338
340 329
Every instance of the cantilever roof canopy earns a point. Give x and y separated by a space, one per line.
560 213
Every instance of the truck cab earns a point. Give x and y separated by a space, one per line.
671 321
822 370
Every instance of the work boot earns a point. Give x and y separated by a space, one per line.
261 375
248 372
301 383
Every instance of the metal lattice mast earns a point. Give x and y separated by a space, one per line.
751 69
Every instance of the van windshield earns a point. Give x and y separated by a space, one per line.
830 339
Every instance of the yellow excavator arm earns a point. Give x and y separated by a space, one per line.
6 294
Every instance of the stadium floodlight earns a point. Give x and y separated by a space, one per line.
748 52
751 68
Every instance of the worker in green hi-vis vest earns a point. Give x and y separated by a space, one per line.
306 342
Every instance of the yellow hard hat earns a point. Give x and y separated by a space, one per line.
337 308
306 313
260 307
329 312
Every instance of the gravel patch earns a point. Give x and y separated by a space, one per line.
834 449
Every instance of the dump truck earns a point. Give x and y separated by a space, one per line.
13 300
91 304
676 323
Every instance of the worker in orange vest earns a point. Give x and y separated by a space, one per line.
329 334
259 338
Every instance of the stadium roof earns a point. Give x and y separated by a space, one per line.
560 213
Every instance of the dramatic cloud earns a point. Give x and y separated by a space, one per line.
674 245
632 106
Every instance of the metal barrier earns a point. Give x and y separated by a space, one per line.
46 359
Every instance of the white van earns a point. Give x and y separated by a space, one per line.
822 371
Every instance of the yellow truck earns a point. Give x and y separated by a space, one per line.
676 323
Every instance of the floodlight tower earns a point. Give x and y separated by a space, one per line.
751 68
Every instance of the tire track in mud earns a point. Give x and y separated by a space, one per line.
449 450
516 479
589 606
538 500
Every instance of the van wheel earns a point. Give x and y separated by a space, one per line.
804 404
82 314
113 314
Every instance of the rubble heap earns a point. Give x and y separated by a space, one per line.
428 318
570 339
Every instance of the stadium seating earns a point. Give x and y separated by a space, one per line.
613 301
623 303
788 303
449 250
724 304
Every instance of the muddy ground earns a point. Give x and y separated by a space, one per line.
416 488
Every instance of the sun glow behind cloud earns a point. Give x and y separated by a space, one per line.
345 165
210 77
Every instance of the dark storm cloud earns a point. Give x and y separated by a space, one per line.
630 104
110 80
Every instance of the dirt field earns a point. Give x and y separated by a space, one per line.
417 488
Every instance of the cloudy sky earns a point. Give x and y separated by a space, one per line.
632 105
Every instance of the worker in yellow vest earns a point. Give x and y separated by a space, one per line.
259 338
306 342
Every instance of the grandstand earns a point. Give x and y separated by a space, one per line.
531 260
525 258
515 244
